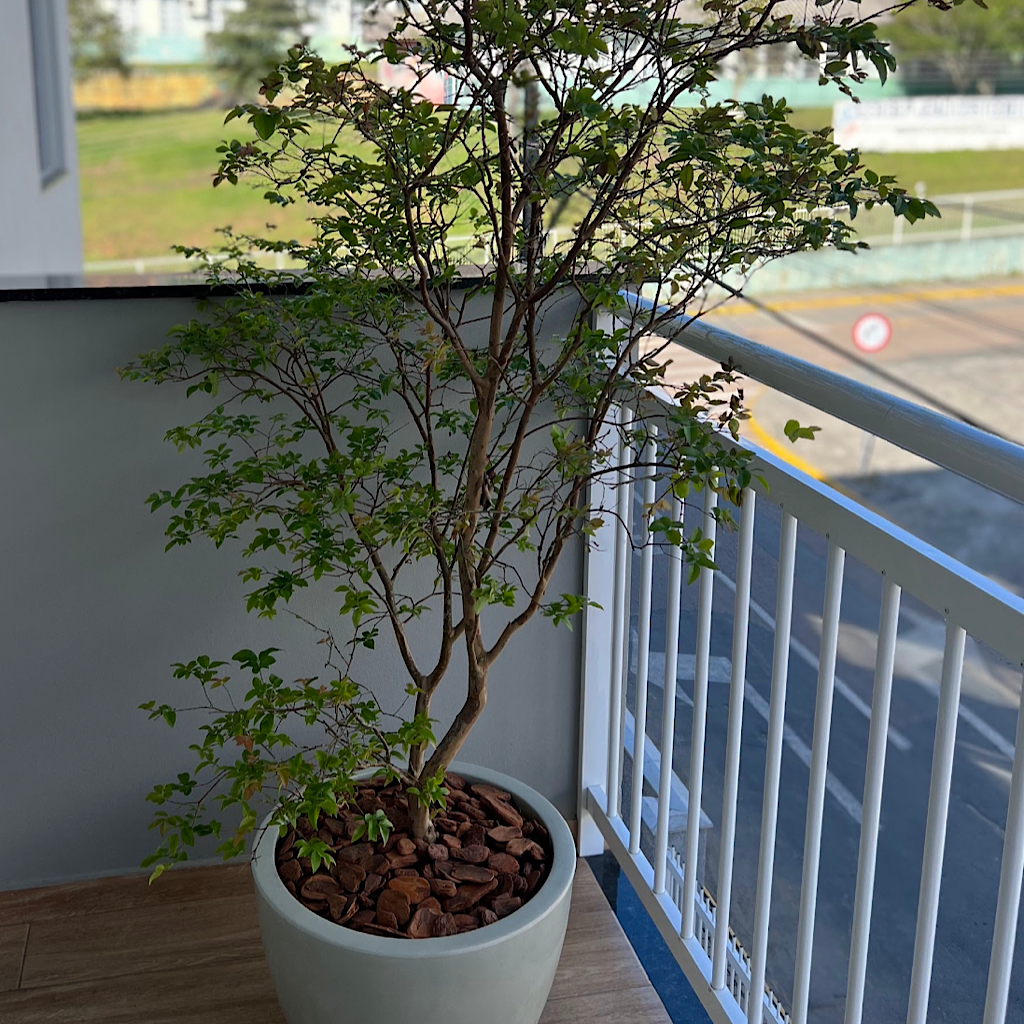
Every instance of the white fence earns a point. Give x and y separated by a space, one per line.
964 217
723 968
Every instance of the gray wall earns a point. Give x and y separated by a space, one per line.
93 611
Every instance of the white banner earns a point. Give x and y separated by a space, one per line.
915 124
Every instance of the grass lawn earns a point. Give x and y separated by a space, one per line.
145 181
146 185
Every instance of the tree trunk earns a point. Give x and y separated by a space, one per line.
422 826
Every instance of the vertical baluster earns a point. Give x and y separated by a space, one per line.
624 503
643 651
935 830
741 619
668 710
705 592
1008 901
885 657
772 768
816 788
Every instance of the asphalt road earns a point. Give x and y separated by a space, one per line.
938 507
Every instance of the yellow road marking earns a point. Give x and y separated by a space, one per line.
741 308
766 441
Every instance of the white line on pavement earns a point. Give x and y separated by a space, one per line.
656 678
805 654
919 657
896 738
843 796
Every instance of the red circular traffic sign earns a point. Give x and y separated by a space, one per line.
872 332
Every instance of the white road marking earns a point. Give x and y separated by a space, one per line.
896 738
919 660
843 796
656 678
805 654
919 654
680 799
923 670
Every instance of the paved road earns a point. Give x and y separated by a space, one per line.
986 534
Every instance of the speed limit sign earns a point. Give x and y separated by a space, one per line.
872 332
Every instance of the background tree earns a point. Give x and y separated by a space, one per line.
967 44
404 428
97 40
254 39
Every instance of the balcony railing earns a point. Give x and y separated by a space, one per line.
727 955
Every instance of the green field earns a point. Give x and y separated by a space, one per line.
146 181
146 185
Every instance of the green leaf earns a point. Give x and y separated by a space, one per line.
795 432
265 123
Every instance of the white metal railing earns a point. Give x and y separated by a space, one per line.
724 968
964 216
179 263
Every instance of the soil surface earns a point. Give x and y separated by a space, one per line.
487 861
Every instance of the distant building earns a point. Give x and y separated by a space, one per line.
40 218
174 31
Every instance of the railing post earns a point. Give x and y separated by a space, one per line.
741 619
600 629
966 218
772 767
885 659
816 787
668 709
643 649
620 615
935 828
695 783
1008 901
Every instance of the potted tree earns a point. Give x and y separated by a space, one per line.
417 421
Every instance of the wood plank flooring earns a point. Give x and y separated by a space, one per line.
187 951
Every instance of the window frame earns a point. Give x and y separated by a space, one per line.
47 91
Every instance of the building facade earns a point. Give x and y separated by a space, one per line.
40 219
174 31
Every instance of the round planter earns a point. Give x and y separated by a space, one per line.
328 974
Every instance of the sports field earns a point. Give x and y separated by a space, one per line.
146 181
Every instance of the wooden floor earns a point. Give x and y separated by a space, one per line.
187 951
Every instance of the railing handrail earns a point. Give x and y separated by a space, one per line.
971 453
994 196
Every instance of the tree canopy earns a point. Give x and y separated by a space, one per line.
97 39
965 42
254 39
404 424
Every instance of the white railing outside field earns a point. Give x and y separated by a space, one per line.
723 968
965 216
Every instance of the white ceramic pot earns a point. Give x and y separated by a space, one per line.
498 974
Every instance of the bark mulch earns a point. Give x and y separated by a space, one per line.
486 862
